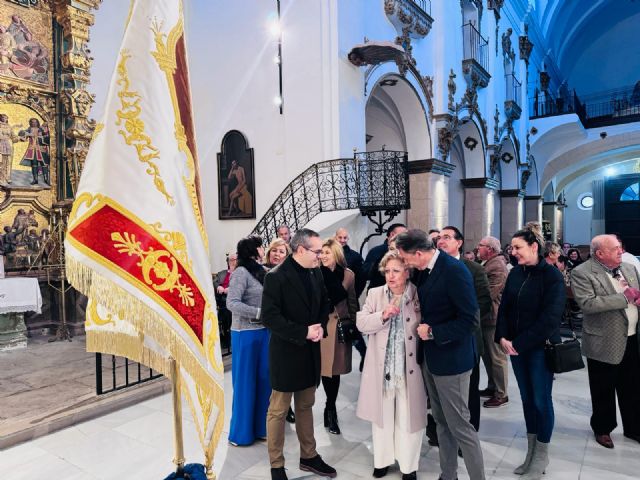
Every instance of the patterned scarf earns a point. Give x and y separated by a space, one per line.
394 359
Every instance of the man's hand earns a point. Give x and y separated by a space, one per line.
507 347
632 294
220 289
424 331
314 332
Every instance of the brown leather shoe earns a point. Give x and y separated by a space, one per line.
495 402
604 440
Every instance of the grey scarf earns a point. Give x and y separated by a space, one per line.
394 358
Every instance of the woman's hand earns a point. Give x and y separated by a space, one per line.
507 347
390 311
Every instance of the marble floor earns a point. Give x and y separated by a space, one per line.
136 442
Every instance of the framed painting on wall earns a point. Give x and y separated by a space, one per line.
236 178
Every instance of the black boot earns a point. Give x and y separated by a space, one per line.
331 420
45 175
34 172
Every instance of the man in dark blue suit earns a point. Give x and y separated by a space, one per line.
448 303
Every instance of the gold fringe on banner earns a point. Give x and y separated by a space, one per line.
134 311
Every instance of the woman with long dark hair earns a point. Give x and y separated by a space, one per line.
335 352
250 346
530 312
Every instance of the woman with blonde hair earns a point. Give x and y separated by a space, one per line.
392 394
335 349
276 252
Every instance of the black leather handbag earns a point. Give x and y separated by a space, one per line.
565 356
346 330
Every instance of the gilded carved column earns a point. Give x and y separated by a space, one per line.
74 18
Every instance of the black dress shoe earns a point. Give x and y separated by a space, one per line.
278 474
291 417
361 364
380 472
409 476
604 440
316 465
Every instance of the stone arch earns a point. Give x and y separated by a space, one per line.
396 109
510 170
474 148
456 195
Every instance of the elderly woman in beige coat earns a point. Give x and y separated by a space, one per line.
392 393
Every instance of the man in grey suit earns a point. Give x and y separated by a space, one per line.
606 289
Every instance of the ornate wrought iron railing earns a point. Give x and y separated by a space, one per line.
514 88
475 46
370 181
424 5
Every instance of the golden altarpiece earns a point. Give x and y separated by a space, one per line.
44 126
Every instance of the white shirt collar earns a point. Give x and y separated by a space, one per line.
432 262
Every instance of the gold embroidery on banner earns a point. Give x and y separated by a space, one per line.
212 336
94 318
83 274
166 58
84 198
133 132
150 261
177 241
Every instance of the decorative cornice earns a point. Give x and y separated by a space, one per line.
533 197
481 182
431 165
515 192
407 16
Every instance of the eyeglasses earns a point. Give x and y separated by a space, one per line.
483 245
317 253
445 237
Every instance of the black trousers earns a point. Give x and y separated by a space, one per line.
607 380
474 396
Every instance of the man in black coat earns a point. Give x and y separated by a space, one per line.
295 308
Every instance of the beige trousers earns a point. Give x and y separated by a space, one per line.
278 408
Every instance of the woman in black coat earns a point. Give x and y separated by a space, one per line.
530 312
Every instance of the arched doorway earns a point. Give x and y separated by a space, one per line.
396 118
456 189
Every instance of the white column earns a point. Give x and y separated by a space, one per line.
429 186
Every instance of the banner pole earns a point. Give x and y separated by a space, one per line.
177 419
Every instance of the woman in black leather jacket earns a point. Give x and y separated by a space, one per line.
530 312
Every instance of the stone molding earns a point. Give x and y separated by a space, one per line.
514 192
431 165
533 197
481 182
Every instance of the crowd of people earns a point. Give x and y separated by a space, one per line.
432 312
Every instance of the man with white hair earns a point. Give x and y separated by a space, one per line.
495 361
606 289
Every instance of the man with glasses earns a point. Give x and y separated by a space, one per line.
450 242
448 305
295 308
495 361
606 289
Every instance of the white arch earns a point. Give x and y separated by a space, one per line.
409 98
